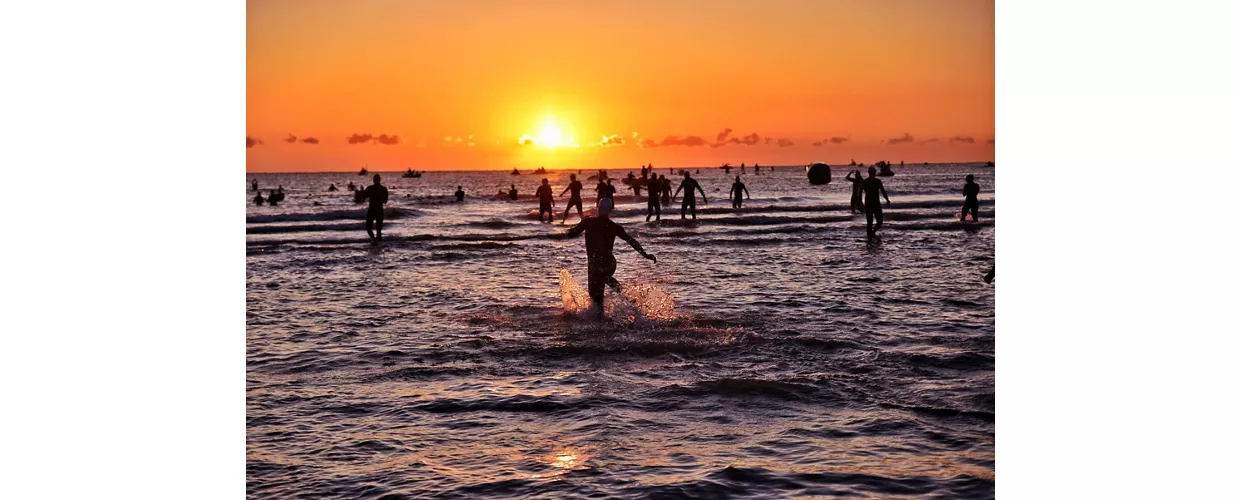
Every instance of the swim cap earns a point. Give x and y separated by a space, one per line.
604 206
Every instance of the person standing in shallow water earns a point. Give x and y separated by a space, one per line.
970 198
601 233
653 189
666 190
735 192
460 194
689 202
258 199
546 201
378 195
574 186
512 193
873 210
611 191
855 203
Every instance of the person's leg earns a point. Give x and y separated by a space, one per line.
658 211
379 225
595 283
370 224
964 211
878 219
869 223
973 210
693 209
684 206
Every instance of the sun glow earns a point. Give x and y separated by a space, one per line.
549 135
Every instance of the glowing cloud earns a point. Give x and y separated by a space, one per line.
906 138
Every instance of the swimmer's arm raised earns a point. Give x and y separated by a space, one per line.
636 246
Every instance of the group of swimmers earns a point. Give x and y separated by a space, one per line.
274 196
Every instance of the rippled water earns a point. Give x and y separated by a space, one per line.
770 352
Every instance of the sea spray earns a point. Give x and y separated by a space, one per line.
639 300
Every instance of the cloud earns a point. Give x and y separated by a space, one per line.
839 140
360 138
907 138
927 141
611 140
963 138
250 142
674 140
783 143
768 140
291 139
634 135
747 140
816 144
388 139
723 136
990 140
310 140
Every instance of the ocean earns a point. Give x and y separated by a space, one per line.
771 352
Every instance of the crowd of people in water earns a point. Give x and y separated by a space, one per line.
600 231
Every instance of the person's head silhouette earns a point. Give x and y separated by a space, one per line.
604 207
572 176
376 178
873 171
738 178
544 182
968 178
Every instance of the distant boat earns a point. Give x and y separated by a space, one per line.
540 170
884 169
990 164
413 174
853 163
363 171
516 172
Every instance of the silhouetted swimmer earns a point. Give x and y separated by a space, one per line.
735 192
332 188
601 233
254 185
546 201
665 192
258 199
460 194
512 193
970 198
378 195
611 191
873 210
689 202
271 198
653 189
352 187
855 204
574 187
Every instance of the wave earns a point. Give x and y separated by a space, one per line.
353 214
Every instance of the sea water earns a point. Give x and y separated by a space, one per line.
771 351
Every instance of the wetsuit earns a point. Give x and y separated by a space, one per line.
378 195
737 187
970 200
609 192
666 185
460 195
873 206
601 235
574 198
258 200
689 202
512 194
545 197
855 203
653 189
271 198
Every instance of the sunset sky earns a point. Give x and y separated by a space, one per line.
468 85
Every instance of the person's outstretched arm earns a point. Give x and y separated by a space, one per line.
746 193
678 188
565 190
884 190
633 242
575 231
700 190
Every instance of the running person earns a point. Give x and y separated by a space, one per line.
378 195
970 198
873 210
546 202
575 199
735 192
689 202
601 233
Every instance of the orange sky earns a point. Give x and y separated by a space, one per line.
430 73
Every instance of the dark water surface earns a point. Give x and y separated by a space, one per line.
797 360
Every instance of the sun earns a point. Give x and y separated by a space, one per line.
550 135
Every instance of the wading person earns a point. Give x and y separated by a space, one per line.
689 202
378 195
601 233
653 189
574 187
735 192
970 198
546 202
873 209
460 194
855 203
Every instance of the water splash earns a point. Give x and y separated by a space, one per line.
638 301
575 298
